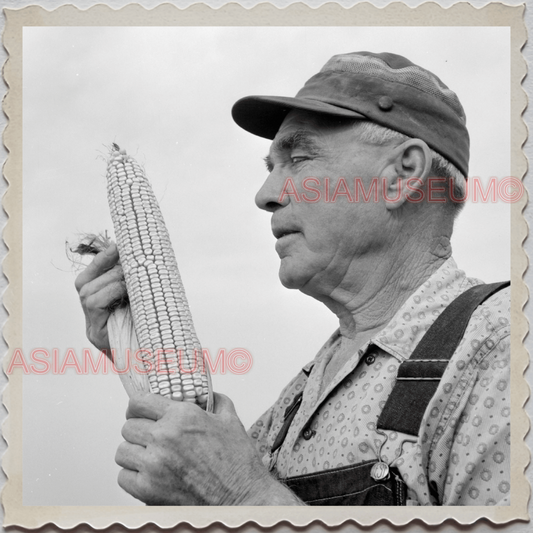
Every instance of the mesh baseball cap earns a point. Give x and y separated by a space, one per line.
385 88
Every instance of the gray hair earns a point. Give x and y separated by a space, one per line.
440 167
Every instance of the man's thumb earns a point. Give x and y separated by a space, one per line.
223 404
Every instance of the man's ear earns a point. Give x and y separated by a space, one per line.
408 170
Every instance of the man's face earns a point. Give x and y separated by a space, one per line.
325 240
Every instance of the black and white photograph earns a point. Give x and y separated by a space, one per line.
268 265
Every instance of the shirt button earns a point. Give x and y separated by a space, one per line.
308 433
385 103
370 359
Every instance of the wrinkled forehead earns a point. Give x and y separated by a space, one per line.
308 129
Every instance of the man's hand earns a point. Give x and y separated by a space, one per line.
100 285
177 454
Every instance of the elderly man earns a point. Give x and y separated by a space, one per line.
408 402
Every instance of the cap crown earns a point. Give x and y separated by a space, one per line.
398 69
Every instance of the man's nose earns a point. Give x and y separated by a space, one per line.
270 196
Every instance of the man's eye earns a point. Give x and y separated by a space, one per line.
298 158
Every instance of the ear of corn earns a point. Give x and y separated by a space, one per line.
161 317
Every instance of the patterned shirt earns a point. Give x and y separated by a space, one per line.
462 453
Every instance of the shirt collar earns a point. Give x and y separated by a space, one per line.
401 335
308 367
324 350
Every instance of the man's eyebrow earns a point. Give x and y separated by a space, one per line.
268 163
297 139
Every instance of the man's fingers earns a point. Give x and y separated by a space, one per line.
223 404
111 276
130 456
97 310
100 286
105 289
151 406
128 480
104 298
138 431
101 263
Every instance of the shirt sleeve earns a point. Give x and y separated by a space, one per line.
259 431
478 471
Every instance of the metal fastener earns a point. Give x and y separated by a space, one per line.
385 103
380 471
308 433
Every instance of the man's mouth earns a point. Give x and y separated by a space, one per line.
279 233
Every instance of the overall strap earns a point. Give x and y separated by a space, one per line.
419 376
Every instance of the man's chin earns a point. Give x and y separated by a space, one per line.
289 279
298 277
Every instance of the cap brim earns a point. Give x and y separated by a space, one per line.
263 115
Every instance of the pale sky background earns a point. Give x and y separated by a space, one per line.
165 94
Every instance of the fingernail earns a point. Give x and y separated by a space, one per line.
111 249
